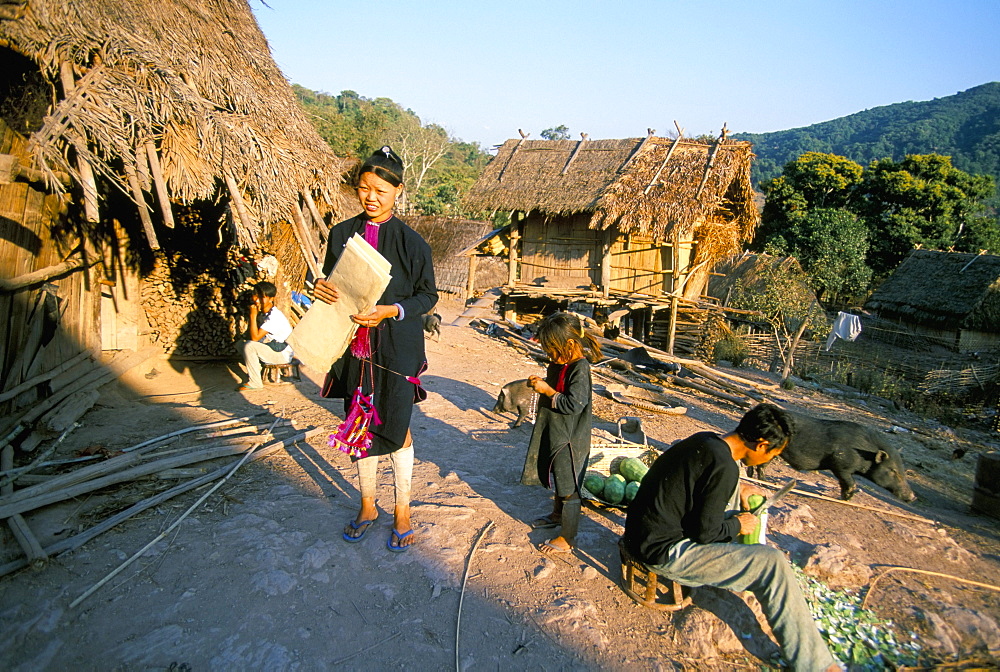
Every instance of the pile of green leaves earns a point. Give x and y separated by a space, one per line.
856 636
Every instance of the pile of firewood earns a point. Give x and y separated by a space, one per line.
196 322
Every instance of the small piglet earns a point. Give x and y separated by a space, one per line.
432 325
845 448
516 396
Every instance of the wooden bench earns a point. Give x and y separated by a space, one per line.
281 373
648 588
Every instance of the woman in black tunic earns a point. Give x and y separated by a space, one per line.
393 335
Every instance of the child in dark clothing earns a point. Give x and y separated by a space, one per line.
562 429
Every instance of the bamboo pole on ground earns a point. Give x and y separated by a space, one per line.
11 507
41 378
250 454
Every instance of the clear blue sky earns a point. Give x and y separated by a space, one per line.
482 70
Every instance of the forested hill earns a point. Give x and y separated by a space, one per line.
965 126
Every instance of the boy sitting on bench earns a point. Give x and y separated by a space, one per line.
269 329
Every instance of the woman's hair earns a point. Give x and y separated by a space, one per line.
386 164
766 422
558 331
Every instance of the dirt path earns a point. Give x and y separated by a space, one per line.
258 577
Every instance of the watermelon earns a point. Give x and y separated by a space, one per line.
630 489
632 469
614 489
594 483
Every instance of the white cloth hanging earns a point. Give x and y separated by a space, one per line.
846 326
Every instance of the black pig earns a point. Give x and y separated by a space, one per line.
432 324
516 396
845 448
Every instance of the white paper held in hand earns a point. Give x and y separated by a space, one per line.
324 332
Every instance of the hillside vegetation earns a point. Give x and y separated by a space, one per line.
439 168
965 126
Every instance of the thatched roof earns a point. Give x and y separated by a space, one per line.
195 78
945 290
648 186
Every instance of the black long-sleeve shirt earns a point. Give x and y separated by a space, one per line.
685 494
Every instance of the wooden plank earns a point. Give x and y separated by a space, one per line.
242 215
41 378
87 181
25 538
44 274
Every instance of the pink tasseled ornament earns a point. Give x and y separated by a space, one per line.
353 436
361 344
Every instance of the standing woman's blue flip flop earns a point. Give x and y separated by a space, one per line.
363 526
393 544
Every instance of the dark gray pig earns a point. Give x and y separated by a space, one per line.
432 324
516 396
845 448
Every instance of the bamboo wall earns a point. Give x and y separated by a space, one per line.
563 252
41 325
560 252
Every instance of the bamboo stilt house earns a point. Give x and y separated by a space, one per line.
633 222
950 297
154 162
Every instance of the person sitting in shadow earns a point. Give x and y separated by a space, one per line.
678 526
268 332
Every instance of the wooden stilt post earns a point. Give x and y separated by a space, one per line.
470 282
607 242
240 207
140 201
675 272
87 181
515 238
160 183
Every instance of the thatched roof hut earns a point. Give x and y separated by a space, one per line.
451 239
188 85
153 164
953 296
655 188
633 222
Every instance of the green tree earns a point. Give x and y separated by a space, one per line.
560 132
779 292
924 201
833 252
831 214
439 169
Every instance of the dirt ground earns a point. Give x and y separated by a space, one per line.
258 576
